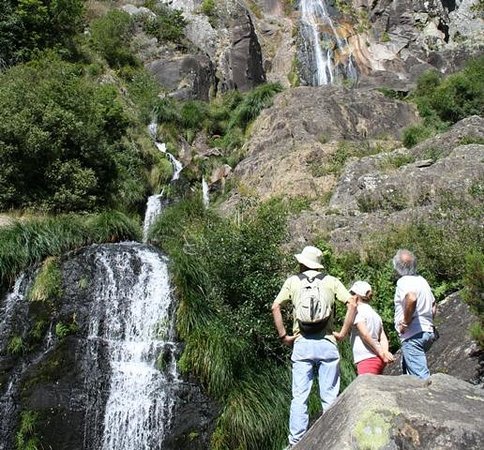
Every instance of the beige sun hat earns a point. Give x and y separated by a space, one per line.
310 257
360 288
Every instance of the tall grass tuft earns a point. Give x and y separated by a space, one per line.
28 242
217 355
253 103
47 284
256 412
112 226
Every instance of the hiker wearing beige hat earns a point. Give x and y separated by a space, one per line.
312 294
368 339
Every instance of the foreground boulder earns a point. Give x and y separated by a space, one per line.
383 412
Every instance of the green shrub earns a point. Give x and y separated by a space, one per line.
64 141
415 134
30 26
227 275
16 345
26 437
48 282
168 25
111 36
208 8
474 283
143 90
255 414
253 103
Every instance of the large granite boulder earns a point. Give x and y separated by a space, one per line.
184 76
384 412
388 189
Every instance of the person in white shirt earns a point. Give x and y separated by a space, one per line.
414 312
368 339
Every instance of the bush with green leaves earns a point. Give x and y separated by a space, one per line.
168 25
64 141
225 119
30 26
111 36
227 273
444 101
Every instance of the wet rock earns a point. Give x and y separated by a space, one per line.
63 371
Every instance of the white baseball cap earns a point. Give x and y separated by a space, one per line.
360 288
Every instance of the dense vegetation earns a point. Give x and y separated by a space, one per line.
227 273
444 101
73 116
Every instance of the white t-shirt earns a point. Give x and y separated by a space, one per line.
422 319
365 313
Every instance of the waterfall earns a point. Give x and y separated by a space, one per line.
133 306
161 146
319 54
154 206
8 404
205 196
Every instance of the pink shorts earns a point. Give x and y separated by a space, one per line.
371 365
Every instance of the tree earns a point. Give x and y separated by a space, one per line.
28 26
61 138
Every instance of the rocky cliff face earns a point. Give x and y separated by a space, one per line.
241 44
368 182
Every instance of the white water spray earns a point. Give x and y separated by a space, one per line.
154 207
205 195
161 146
137 331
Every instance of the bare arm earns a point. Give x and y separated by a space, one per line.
387 356
349 319
383 341
408 310
278 322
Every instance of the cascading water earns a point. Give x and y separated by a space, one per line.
205 196
161 146
133 320
7 400
320 37
110 384
154 205
177 165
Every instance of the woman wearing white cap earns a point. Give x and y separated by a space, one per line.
368 339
